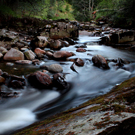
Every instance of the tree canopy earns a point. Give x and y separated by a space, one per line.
117 11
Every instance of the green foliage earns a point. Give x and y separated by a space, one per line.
44 9
7 11
120 12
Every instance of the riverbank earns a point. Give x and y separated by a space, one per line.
112 113
53 67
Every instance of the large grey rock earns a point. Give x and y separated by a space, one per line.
14 54
55 68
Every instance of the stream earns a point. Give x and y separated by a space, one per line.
33 105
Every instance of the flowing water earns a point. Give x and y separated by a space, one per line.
33 105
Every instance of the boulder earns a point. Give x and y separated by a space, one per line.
55 68
39 41
62 54
39 79
23 62
100 61
55 44
30 55
80 50
14 54
39 51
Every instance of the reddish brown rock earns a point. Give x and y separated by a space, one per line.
39 80
39 51
62 54
79 62
100 61
14 54
49 54
23 62
80 50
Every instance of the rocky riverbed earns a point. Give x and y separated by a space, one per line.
54 67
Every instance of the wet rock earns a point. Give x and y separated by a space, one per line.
59 81
100 61
55 68
40 56
14 54
49 54
73 68
65 43
2 80
44 66
30 55
80 50
23 62
3 50
62 54
79 62
39 79
36 62
55 44
39 51
70 41
14 81
16 84
121 62
39 41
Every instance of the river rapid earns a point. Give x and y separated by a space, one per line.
33 105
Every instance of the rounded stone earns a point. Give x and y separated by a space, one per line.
55 68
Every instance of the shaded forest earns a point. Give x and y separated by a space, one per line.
118 12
